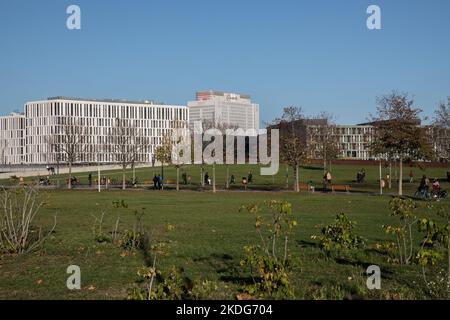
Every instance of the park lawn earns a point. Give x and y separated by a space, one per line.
207 242
342 175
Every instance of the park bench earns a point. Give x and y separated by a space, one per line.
339 187
306 187
170 181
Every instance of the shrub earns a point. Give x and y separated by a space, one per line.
131 240
172 285
270 262
405 211
19 209
339 235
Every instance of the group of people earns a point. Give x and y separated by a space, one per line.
186 179
44 181
157 182
104 181
246 180
424 188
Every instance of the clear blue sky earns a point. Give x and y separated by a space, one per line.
315 54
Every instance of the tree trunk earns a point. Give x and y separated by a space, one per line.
123 178
227 184
287 177
390 175
202 179
162 175
395 171
381 178
98 181
214 177
178 178
57 172
400 177
297 186
69 185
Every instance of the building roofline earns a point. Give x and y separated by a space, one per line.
222 93
114 101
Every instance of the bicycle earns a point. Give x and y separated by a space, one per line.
423 194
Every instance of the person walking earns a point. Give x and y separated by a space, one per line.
160 182
155 182
424 184
328 177
207 178
250 177
90 179
411 176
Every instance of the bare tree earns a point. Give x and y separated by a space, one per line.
398 134
222 127
293 139
69 143
441 131
126 143
323 140
3 148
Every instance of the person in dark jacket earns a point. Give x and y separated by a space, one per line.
155 182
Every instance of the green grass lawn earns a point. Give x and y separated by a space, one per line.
208 239
342 174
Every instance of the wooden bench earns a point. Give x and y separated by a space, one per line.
306 187
165 182
338 187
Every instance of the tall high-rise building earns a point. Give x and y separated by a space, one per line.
224 109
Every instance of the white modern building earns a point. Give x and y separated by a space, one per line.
224 109
355 141
352 141
12 144
47 122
